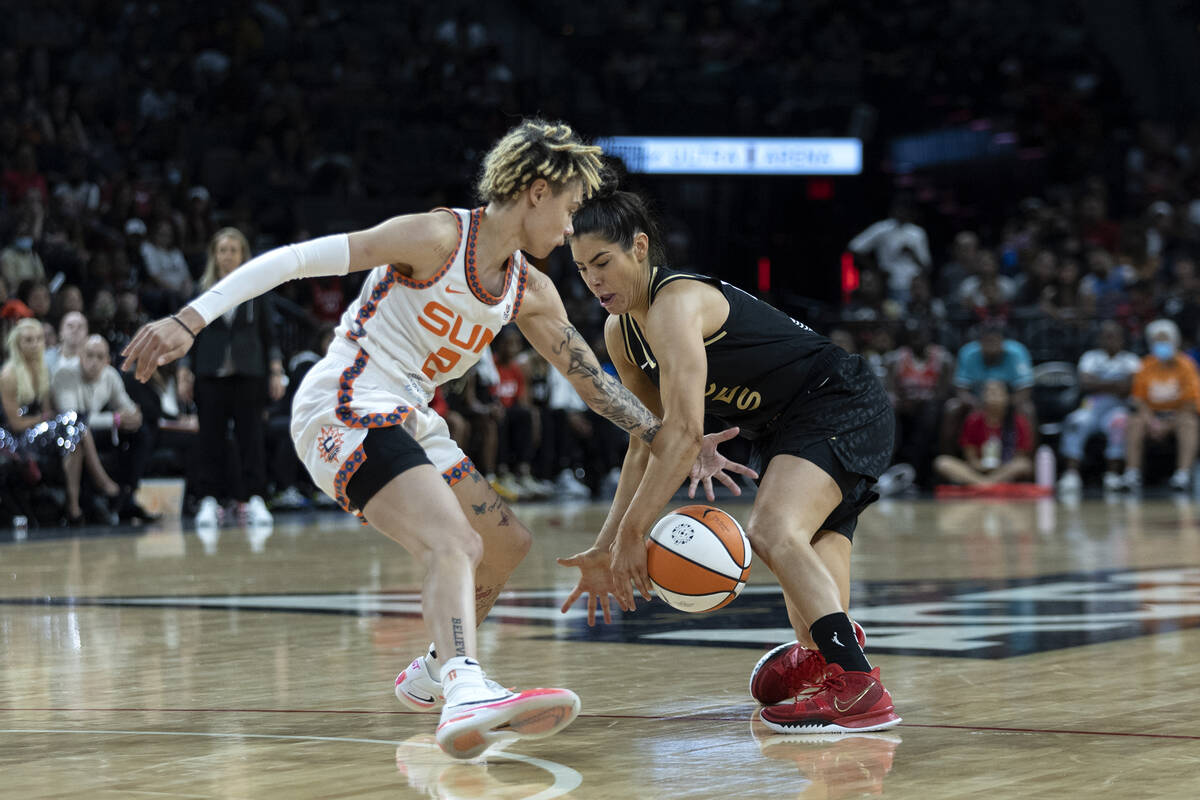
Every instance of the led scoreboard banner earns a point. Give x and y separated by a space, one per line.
693 155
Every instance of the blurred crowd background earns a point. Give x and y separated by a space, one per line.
1031 172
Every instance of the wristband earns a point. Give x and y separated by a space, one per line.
184 326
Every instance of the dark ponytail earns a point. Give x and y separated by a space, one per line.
617 217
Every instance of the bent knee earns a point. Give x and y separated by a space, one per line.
457 543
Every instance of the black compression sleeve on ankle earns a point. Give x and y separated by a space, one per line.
834 635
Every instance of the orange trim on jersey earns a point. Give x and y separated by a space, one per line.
482 294
522 274
369 308
346 396
459 471
409 283
349 467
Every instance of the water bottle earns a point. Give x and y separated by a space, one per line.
1043 468
20 528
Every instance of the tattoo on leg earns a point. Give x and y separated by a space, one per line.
460 641
606 395
503 519
485 598
487 507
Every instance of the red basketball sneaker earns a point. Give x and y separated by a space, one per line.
790 671
845 702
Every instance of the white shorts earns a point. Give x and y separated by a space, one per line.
340 399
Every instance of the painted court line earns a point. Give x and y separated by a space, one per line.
566 780
646 717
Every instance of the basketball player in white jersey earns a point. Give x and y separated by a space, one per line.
361 419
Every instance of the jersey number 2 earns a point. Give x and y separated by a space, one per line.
441 360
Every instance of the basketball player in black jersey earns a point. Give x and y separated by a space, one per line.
821 429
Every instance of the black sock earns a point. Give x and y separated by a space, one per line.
834 635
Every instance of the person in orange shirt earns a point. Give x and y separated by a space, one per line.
1165 398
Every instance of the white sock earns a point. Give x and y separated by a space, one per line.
432 664
462 681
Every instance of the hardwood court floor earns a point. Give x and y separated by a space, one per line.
1034 650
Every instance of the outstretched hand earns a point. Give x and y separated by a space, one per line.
155 344
711 464
596 580
629 570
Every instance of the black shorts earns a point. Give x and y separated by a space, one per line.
846 426
388 451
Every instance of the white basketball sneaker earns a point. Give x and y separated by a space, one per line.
416 686
479 713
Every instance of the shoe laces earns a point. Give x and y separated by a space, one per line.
834 681
787 670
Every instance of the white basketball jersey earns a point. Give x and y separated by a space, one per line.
424 333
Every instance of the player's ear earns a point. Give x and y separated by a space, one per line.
641 246
539 190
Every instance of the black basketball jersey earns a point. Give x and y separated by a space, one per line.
760 361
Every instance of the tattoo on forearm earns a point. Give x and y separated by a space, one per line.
460 639
606 395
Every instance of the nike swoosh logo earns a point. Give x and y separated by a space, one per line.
450 290
838 706
420 697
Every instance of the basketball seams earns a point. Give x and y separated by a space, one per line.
687 512
697 575
693 562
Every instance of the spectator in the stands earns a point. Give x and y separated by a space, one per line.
899 246
36 295
922 305
1181 299
918 380
520 428
990 356
869 302
166 270
962 265
987 288
94 389
23 177
1106 286
1040 277
1096 229
19 261
72 332
1061 301
59 442
1105 377
1160 233
996 442
1165 400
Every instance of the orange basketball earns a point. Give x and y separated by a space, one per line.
698 558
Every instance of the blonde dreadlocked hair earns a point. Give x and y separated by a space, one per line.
538 149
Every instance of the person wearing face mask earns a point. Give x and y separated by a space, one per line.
20 262
1165 399
442 284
